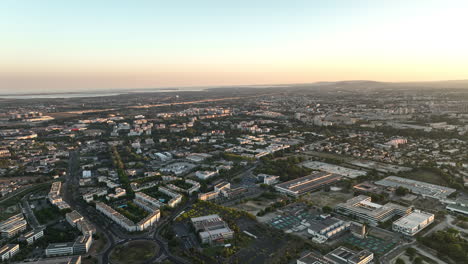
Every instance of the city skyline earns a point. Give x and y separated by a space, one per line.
53 46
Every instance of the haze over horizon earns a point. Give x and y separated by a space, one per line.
51 46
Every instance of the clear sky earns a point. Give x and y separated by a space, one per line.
49 45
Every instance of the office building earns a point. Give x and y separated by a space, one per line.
80 246
412 223
8 251
13 226
213 229
31 236
363 209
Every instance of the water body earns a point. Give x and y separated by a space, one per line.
93 94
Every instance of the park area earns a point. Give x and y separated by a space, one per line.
134 252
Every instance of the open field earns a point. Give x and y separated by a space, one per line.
134 252
254 206
9 211
322 198
426 176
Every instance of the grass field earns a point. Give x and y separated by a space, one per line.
134 252
8 211
426 176
322 198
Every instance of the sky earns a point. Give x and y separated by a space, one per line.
56 45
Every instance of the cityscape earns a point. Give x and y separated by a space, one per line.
234 132
254 175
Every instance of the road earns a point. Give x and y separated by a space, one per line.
113 233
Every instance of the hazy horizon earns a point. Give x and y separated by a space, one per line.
56 46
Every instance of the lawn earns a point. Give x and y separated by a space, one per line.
132 212
134 252
426 176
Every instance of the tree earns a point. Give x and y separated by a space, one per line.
401 191
400 261
418 260
411 252
327 209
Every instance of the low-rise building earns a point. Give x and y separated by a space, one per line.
13 226
204 175
31 236
312 258
8 251
325 227
73 218
306 184
343 255
362 208
80 246
412 223
213 229
60 260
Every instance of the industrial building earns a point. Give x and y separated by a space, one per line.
343 255
306 184
417 187
8 251
213 229
362 208
412 223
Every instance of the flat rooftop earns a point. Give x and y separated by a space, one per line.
413 219
418 187
310 182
